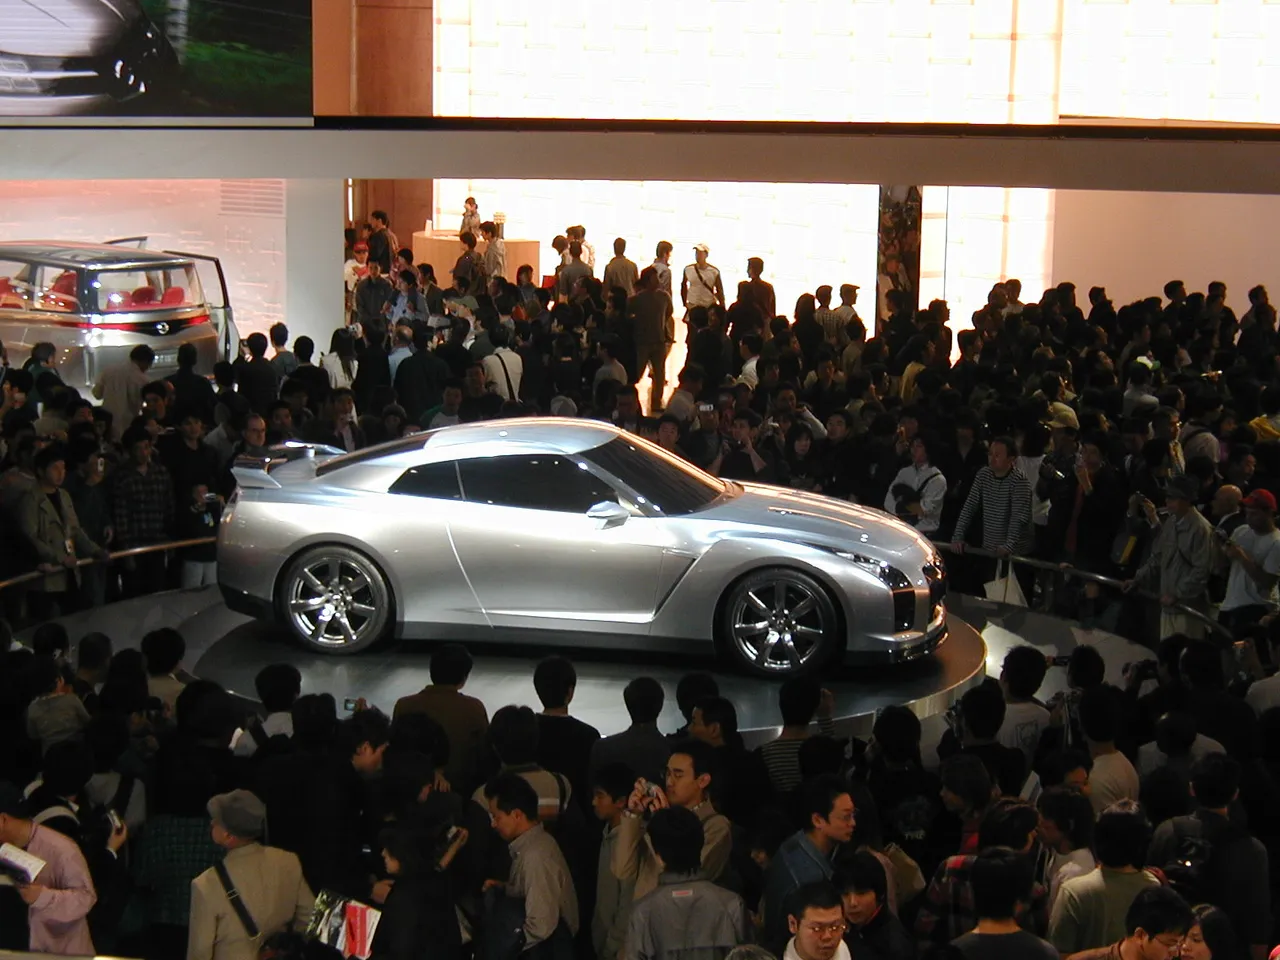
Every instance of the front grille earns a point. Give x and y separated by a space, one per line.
936 576
904 610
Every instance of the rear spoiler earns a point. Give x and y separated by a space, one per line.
255 472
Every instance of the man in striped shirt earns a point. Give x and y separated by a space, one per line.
799 700
1001 496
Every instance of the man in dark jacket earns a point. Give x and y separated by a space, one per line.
421 377
873 931
1234 877
256 379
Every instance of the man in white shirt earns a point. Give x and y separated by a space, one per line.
701 285
917 492
1254 552
815 918
1021 675
503 368
579 233
278 686
750 348
357 268
1113 776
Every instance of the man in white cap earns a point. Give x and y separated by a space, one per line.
255 892
701 285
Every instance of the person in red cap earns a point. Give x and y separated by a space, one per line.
1254 552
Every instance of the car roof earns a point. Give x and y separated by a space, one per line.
82 256
559 434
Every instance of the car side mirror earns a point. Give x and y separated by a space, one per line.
609 514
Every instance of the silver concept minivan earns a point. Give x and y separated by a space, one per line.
96 302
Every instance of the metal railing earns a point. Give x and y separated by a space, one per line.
1067 570
51 570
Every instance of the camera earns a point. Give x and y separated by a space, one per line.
350 704
1142 669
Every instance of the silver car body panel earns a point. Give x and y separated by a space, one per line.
470 570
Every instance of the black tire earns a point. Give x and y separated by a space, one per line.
798 630
335 600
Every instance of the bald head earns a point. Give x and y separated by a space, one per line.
1226 501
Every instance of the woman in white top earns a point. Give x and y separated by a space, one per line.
918 490
340 362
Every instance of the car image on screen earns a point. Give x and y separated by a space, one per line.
73 57
571 532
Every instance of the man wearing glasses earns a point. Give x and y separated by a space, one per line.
806 856
816 920
1155 924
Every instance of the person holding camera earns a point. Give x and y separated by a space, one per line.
688 784
1180 561
739 458
917 492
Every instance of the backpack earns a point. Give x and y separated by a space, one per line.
1192 871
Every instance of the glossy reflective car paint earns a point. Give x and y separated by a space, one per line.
628 570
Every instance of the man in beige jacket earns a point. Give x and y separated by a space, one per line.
268 881
689 786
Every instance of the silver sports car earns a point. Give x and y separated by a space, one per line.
569 532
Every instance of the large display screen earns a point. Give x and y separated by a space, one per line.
64 59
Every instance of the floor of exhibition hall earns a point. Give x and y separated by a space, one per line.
230 648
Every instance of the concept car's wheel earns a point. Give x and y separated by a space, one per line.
335 600
780 623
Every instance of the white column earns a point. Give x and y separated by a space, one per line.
313 259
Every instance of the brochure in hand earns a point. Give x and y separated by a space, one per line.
18 865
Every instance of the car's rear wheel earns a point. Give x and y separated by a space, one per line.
780 622
335 600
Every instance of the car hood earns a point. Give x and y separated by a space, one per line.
826 522
63 28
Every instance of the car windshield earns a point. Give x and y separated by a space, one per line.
666 483
156 288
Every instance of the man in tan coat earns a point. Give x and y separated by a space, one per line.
47 518
268 882
688 785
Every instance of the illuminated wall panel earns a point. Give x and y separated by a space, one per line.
974 237
808 234
855 60
1172 59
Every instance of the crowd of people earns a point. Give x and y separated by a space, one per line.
171 819
1141 443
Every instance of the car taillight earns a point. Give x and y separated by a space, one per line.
203 318
135 326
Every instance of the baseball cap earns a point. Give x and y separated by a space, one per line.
1182 488
240 813
702 246
361 247
1260 500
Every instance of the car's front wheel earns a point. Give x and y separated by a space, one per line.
335 600
780 623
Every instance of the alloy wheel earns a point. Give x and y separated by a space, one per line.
779 624
334 601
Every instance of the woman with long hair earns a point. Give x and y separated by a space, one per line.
340 362
804 465
1212 937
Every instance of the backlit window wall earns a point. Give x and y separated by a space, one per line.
807 234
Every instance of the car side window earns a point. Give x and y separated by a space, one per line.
15 285
535 482
433 481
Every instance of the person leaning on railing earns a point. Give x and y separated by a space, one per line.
1180 561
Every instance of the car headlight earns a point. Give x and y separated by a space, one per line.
891 577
